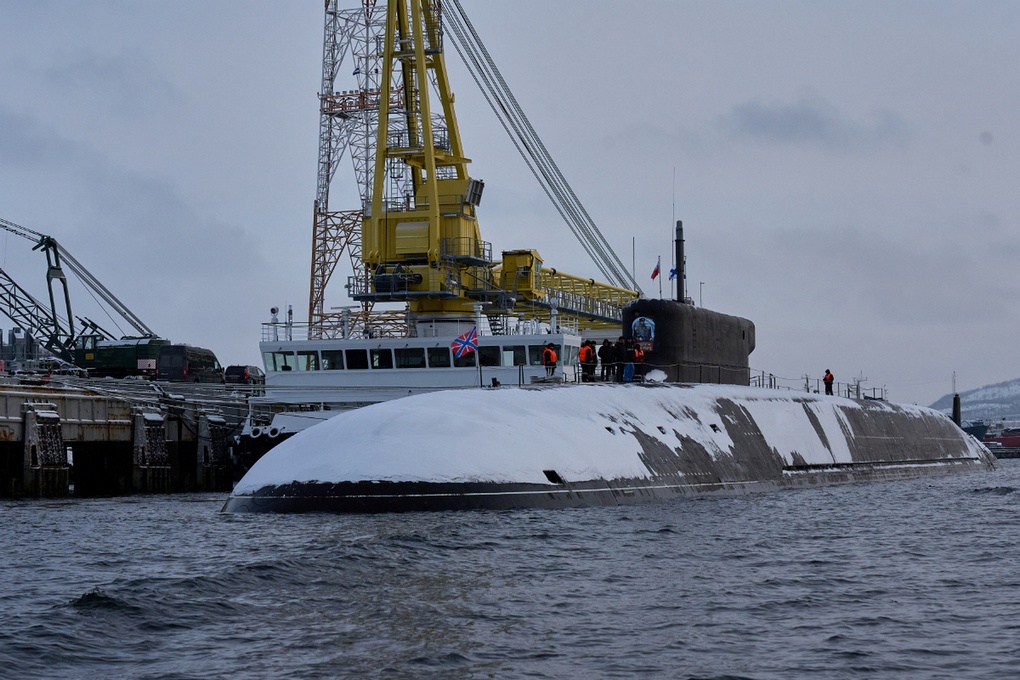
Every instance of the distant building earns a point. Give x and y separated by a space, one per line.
20 347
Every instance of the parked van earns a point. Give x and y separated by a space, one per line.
245 375
184 363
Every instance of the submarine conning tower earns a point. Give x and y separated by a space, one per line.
690 344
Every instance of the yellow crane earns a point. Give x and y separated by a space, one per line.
420 241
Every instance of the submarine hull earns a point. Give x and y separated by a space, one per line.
597 445
382 497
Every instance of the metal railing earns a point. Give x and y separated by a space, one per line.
852 390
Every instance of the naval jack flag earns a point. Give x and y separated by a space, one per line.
465 343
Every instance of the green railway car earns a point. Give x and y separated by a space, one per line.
118 358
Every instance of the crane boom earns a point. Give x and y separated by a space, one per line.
58 332
96 286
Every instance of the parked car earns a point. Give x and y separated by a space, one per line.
184 363
246 375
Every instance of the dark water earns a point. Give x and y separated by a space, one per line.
917 579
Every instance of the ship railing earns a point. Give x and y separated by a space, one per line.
466 249
851 390
395 282
408 203
383 328
585 297
393 324
280 331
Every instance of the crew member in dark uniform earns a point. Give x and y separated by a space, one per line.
606 357
628 361
619 356
828 380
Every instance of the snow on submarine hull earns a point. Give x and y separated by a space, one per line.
592 445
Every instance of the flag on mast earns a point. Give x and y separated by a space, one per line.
465 343
658 268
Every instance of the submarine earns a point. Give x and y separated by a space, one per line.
567 446
691 426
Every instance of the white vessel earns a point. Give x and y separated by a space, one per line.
309 380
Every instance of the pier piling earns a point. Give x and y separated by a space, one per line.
45 471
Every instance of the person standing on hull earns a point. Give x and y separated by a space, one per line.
588 361
549 360
628 362
582 357
619 355
606 357
828 380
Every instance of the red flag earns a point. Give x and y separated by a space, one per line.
655 272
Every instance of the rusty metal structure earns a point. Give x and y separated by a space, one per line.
348 120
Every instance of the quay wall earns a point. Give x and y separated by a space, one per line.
58 439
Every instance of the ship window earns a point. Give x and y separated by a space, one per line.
332 359
466 360
439 357
381 358
279 361
357 359
410 357
307 361
515 355
568 355
489 356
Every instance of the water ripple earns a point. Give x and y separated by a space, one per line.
910 579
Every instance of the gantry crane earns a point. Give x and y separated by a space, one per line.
416 238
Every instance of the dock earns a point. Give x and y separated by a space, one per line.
104 437
1005 451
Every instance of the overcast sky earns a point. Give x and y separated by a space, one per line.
846 172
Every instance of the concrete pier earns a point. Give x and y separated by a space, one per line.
103 438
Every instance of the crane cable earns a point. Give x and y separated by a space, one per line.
524 137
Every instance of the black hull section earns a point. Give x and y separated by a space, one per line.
377 497
250 449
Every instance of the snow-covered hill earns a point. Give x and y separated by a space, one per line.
989 403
